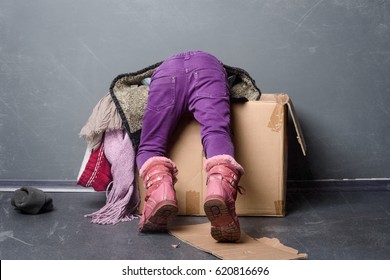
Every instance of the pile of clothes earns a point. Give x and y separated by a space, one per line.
108 164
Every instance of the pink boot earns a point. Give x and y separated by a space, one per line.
223 174
159 176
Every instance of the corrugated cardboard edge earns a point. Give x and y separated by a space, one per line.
247 248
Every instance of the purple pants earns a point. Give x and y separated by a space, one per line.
192 81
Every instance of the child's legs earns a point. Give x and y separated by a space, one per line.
210 104
163 111
214 118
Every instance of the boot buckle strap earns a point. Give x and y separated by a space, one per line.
231 180
150 181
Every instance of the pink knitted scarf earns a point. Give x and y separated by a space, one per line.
122 194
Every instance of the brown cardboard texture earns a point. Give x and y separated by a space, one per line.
260 137
247 248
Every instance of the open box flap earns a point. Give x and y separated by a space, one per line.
298 129
276 118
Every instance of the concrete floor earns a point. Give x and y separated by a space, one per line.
327 225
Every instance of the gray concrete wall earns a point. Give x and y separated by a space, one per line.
57 59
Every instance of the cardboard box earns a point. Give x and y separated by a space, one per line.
260 139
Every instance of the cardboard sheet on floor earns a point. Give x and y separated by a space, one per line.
247 248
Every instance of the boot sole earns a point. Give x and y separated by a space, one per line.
223 226
160 218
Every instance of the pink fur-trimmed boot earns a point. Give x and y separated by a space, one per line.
223 175
159 176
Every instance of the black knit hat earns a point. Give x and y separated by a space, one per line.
31 200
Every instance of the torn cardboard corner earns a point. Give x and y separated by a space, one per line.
247 248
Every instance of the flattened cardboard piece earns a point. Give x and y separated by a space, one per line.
247 248
259 132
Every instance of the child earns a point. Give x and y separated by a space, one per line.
192 81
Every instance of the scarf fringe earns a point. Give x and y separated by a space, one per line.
116 209
122 194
